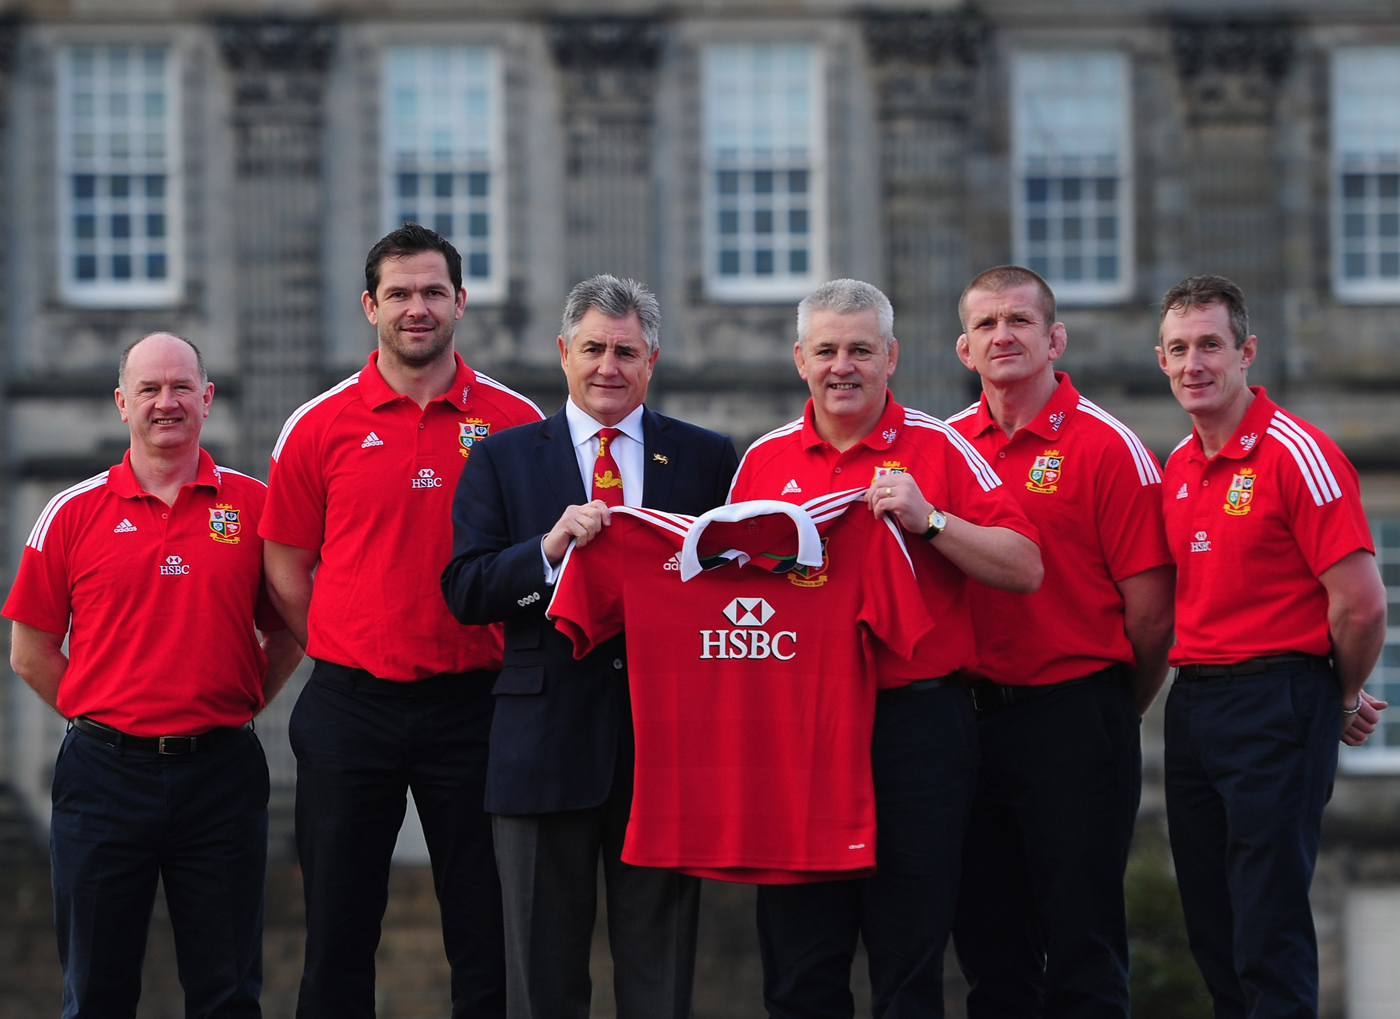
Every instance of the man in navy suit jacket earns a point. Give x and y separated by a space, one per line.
559 779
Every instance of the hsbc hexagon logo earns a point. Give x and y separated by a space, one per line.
748 612
174 566
427 478
1201 543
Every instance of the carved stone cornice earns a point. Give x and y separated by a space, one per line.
276 44
606 42
924 37
1230 70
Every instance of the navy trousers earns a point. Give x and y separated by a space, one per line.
1249 767
361 743
924 760
1041 928
198 822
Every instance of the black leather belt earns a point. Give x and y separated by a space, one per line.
951 679
1250 666
168 745
989 696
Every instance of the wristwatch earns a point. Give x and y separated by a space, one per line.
937 520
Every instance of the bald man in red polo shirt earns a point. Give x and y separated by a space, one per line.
153 572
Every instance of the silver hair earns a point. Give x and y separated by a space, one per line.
198 357
847 297
616 298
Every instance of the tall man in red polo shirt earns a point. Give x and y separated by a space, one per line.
357 530
961 524
1280 617
1062 674
153 571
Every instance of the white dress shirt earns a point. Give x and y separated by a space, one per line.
628 449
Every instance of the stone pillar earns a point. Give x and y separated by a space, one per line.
924 68
607 69
1230 74
278 67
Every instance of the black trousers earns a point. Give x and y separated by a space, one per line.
361 743
924 760
1249 767
123 818
1041 928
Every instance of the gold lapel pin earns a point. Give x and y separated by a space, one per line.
659 458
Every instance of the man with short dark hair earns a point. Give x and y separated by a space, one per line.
1062 674
562 750
400 698
960 524
153 571
1280 617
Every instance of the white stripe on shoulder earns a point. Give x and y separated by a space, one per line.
1320 495
673 522
229 470
986 477
487 380
964 413
306 407
1148 474
776 433
1181 443
46 518
1327 481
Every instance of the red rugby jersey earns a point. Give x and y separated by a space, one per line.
794 463
752 690
1251 529
366 476
159 602
1095 491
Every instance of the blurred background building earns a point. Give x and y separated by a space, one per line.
219 169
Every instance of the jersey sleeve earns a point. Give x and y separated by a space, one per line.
42 592
1324 500
971 489
893 608
295 510
1128 511
587 606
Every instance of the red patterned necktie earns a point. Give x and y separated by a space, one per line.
607 479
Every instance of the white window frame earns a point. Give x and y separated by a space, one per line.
105 292
1373 756
1027 164
749 286
494 287
1376 157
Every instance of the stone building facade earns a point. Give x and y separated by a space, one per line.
164 164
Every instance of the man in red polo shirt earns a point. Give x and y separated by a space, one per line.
1280 617
1062 674
153 572
358 529
960 524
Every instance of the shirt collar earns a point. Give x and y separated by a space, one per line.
376 392
1251 429
882 436
582 425
121 479
1048 424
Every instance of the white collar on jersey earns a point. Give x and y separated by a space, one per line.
809 542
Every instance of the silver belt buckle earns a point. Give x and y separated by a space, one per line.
189 748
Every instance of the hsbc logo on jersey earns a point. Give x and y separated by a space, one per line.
751 641
427 478
174 566
1201 543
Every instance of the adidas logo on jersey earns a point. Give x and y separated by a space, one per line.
371 440
1181 492
125 527
674 563
792 487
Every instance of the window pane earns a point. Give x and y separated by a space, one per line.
155 225
155 266
763 262
1037 189
797 261
478 225
763 182
729 263
85 227
86 267
479 265
728 221
84 185
797 222
797 182
121 226
442 223
728 182
408 185
442 185
121 267
1366 152
763 221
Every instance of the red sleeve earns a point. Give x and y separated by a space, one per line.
41 595
971 489
295 511
587 606
1324 502
1132 535
894 610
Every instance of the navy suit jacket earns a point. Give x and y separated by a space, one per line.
560 723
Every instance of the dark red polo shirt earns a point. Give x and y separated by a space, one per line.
1095 492
366 477
795 464
1251 530
159 602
